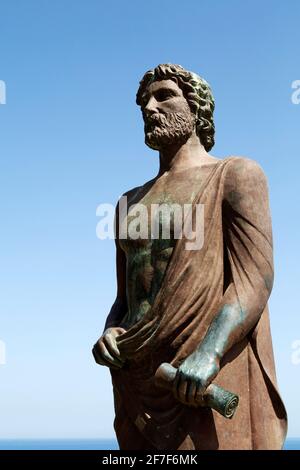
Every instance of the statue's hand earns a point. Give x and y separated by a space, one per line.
106 352
193 377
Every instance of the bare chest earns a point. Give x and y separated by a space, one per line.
155 217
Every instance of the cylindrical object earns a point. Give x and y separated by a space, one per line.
214 396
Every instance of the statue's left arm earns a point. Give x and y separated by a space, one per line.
248 278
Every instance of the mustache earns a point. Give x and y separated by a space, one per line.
154 119
162 120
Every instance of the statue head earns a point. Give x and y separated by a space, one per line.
175 103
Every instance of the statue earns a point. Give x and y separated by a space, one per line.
202 310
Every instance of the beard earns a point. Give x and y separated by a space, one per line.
164 130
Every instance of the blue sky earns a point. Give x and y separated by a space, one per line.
72 138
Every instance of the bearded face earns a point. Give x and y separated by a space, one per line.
168 128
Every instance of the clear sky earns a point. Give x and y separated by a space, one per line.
72 138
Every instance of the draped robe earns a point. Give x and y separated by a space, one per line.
235 264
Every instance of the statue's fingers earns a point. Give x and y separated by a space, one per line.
191 393
182 390
96 354
176 384
118 331
99 360
104 353
111 346
200 389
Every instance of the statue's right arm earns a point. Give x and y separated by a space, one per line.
106 351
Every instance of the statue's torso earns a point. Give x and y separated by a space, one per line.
147 259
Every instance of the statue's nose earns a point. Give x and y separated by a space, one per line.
151 106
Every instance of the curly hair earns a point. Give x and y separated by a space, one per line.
196 91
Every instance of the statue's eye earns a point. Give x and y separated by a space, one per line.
162 95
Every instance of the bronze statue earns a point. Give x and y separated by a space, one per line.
203 310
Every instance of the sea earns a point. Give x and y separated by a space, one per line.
87 444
